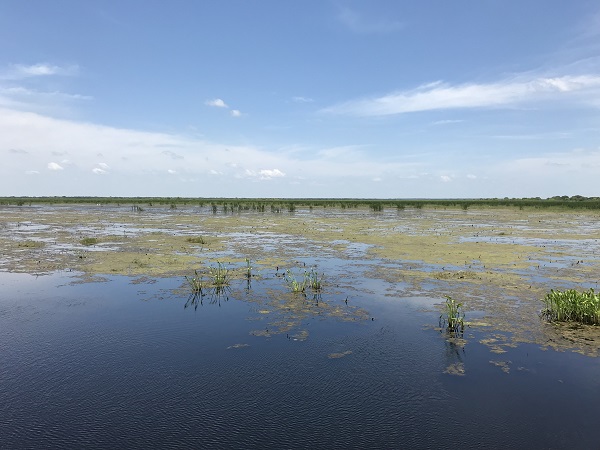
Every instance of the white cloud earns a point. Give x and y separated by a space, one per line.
445 178
103 166
439 95
300 99
171 171
54 166
235 113
267 174
446 122
471 176
32 172
217 102
359 23
99 171
18 71
45 102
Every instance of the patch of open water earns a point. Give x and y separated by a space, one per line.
120 364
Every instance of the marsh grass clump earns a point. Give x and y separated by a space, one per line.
220 275
572 306
298 287
196 283
453 318
30 244
314 281
87 241
196 240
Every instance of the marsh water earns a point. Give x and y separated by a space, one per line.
132 361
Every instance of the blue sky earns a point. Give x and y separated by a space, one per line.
313 98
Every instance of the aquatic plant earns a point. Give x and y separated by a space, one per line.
298 287
314 281
196 240
572 306
219 274
453 318
248 269
31 244
196 283
88 241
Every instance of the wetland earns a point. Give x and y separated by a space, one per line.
107 341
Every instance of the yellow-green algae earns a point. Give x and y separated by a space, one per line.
497 260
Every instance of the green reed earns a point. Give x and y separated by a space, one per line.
248 269
298 287
452 318
313 280
196 283
220 274
572 306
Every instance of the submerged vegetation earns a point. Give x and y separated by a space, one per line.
572 306
88 241
196 240
30 244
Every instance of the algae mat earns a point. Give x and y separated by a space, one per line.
498 261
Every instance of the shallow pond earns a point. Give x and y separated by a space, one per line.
117 364
106 348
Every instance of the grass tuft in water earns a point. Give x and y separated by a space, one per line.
314 282
248 269
196 240
298 287
572 306
220 275
196 283
453 318
88 241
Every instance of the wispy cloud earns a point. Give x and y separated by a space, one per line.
440 96
20 71
299 99
236 113
216 102
18 151
264 174
54 166
359 23
447 121
172 155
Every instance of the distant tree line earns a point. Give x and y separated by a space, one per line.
291 204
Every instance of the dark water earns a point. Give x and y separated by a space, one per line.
122 365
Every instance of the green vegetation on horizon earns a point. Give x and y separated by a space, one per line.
290 205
